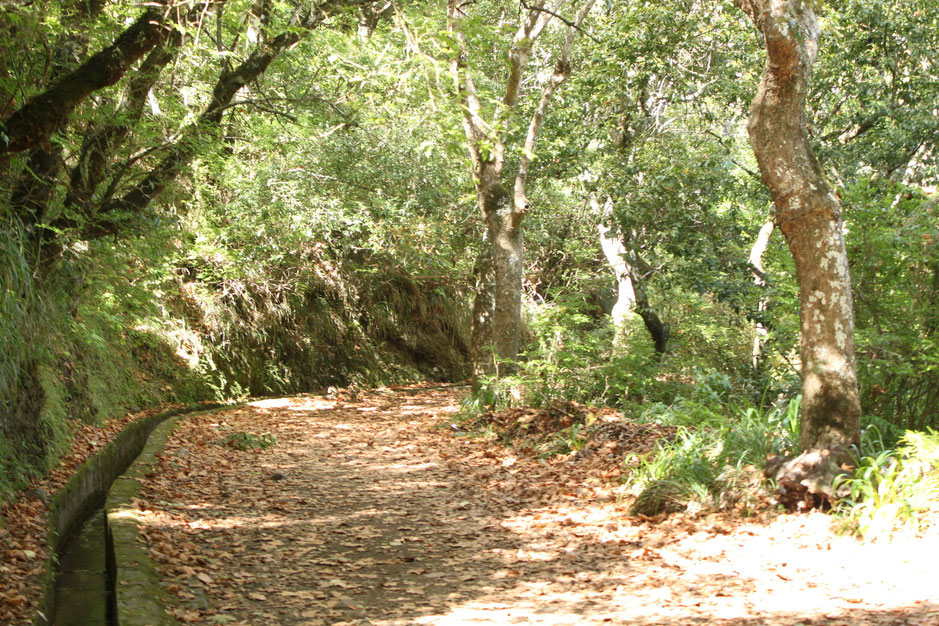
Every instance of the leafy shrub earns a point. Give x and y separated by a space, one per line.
676 474
713 465
895 490
878 434
570 357
893 242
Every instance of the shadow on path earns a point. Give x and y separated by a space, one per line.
368 512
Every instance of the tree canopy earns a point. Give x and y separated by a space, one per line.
220 198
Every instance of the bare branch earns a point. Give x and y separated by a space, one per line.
566 21
562 70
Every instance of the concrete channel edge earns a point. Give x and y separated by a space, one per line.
90 484
139 597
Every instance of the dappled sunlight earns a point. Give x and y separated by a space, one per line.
371 511
407 468
412 409
271 403
300 404
297 403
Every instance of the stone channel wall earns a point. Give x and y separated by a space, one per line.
88 488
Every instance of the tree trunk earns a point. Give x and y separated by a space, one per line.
370 15
36 182
759 279
625 303
49 111
622 257
187 147
483 309
502 212
809 215
503 227
100 145
615 251
35 186
659 330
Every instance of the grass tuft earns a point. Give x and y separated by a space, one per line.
893 491
714 466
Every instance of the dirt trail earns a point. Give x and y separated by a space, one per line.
369 510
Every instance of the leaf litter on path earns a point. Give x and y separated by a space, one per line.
24 547
368 510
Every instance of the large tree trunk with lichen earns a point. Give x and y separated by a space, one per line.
503 212
36 182
505 236
809 215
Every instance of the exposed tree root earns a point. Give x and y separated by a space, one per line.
806 481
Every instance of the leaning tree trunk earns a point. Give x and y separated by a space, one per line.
809 215
49 111
615 251
108 217
103 141
759 280
659 331
621 254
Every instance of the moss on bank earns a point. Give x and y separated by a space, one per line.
114 342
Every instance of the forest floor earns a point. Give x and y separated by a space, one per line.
371 509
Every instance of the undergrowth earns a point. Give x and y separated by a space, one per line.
115 329
714 462
726 429
893 491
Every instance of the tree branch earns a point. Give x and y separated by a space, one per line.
562 70
566 21
49 111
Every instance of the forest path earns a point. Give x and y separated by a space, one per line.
368 510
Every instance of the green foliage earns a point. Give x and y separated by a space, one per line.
883 120
15 298
570 439
79 360
894 239
714 464
31 438
894 490
723 439
325 232
570 357
249 441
